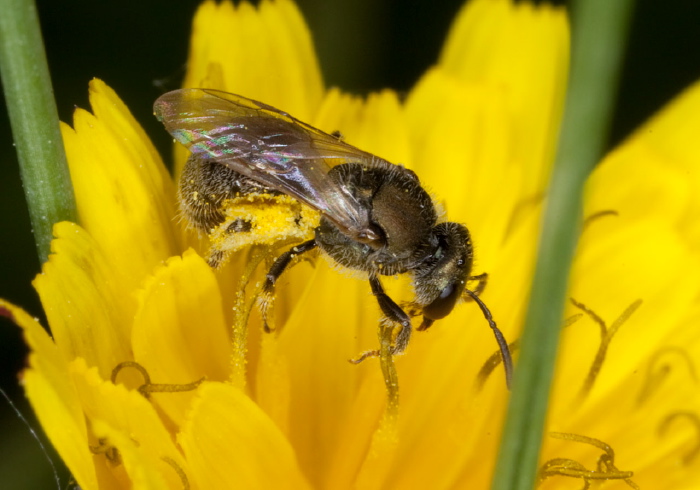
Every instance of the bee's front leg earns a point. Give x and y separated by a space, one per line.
278 267
480 285
393 314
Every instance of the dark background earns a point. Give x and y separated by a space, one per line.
362 45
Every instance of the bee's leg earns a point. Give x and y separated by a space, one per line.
217 255
425 324
281 263
481 285
393 314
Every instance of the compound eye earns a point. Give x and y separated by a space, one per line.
443 304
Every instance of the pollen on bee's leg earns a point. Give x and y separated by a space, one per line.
265 302
385 438
242 308
216 258
387 345
147 387
390 342
239 225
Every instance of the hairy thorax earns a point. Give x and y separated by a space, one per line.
399 208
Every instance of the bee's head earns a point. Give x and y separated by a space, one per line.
442 277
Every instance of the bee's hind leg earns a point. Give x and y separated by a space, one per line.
393 315
278 267
219 252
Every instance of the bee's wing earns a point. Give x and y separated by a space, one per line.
269 146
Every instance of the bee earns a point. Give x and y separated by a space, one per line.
373 216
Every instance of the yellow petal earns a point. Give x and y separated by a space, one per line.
131 424
125 197
180 334
89 311
655 173
138 464
281 70
647 249
376 125
316 355
230 443
464 152
612 270
629 403
522 51
54 398
440 407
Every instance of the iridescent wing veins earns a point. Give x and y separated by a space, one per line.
269 146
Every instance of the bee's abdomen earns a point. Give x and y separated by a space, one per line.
206 184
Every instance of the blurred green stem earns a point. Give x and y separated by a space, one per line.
34 119
598 39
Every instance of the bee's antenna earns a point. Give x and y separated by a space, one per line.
502 343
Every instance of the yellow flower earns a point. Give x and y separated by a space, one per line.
138 318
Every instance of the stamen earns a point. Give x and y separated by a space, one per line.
383 445
241 314
606 469
384 324
695 421
391 378
606 336
657 374
364 355
147 387
110 452
385 437
596 216
183 477
520 210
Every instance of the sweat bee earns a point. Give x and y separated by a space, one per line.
374 216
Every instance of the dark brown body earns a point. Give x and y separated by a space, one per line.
438 256
374 216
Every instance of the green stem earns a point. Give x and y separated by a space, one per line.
598 38
34 119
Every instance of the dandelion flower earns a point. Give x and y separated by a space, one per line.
148 380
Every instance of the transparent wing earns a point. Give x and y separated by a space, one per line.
269 146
